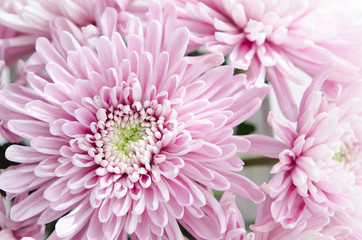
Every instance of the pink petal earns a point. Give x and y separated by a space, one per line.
29 129
48 145
241 56
48 53
244 187
44 111
30 206
265 146
9 179
24 154
70 224
180 192
159 217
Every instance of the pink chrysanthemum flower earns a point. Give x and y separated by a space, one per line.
278 38
126 136
23 21
25 230
318 173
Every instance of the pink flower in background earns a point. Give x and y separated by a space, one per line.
318 173
277 39
125 136
23 21
25 230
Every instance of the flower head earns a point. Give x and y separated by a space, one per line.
126 135
11 230
319 164
22 22
278 38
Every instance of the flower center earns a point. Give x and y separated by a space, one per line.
349 150
125 137
128 138
341 155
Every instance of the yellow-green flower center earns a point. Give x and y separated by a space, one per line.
340 156
126 137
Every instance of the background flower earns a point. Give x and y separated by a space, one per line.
278 39
23 21
315 175
11 230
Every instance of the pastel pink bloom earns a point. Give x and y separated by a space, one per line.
319 162
23 21
25 230
279 38
125 137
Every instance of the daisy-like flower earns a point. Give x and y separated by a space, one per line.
126 136
25 230
319 162
279 38
23 21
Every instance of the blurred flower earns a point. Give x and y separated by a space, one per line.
318 173
126 134
24 230
23 21
279 38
